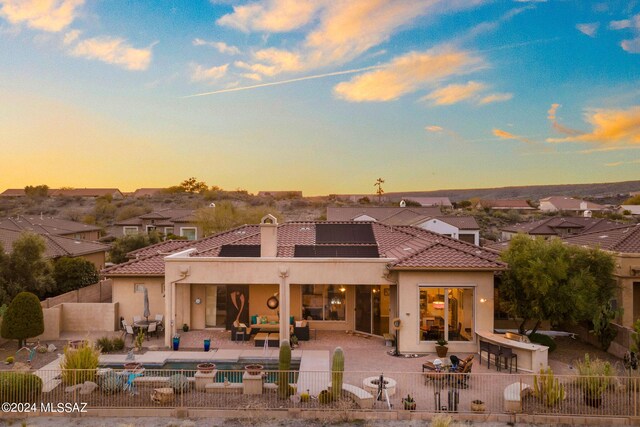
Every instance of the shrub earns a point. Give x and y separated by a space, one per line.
595 377
79 364
19 387
105 344
118 344
10 360
23 318
545 340
179 383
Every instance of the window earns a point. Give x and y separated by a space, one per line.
150 228
324 302
189 232
138 288
168 230
127 231
446 313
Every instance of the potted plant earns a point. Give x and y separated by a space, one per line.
478 405
185 327
254 369
206 368
409 403
294 341
441 347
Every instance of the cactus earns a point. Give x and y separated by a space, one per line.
325 397
547 389
284 391
111 383
179 383
337 373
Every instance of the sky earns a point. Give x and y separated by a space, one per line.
323 96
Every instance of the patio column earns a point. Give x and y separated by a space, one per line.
170 314
285 305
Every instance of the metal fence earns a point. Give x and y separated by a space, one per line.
489 393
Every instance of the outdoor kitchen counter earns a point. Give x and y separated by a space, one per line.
531 357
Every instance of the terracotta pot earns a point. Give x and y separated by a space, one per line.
442 350
478 406
254 369
205 368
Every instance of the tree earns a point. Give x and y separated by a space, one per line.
635 200
26 268
192 185
379 191
74 273
38 191
548 280
225 216
23 318
122 246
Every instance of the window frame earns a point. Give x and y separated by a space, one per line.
325 302
130 227
195 232
446 287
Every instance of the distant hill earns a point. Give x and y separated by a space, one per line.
531 192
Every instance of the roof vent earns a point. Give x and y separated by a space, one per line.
403 204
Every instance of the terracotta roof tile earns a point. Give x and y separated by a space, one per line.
623 239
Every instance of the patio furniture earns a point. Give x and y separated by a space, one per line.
507 354
264 339
240 331
160 321
495 350
301 331
128 330
136 319
484 346
153 329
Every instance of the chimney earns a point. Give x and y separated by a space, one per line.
583 206
268 236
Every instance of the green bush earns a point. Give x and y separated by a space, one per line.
79 364
179 383
19 387
545 340
23 318
118 344
595 377
105 344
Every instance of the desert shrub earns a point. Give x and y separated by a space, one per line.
105 344
79 364
19 387
179 383
595 377
545 340
118 344
325 397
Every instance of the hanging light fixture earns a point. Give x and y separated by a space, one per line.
438 302
342 288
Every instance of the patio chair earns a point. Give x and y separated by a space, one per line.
159 320
152 329
137 319
461 377
128 330
239 330
507 354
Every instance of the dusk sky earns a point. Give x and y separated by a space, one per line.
321 96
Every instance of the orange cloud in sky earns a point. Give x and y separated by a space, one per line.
114 51
495 97
272 16
406 74
551 115
454 93
202 74
503 134
609 127
46 15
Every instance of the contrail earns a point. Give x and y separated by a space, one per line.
282 82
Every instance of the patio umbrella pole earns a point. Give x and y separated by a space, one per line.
397 353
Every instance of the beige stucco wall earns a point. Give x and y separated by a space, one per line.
52 320
131 303
409 305
98 259
624 279
89 317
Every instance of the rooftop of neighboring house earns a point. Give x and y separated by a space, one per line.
379 213
165 217
506 204
460 222
570 204
634 209
71 192
432 201
408 247
623 239
55 246
554 226
46 225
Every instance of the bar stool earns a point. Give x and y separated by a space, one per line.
484 346
507 353
495 350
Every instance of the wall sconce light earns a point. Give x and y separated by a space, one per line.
198 301
483 300
343 289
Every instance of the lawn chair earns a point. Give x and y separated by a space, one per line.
159 320
128 330
460 378
153 329
137 319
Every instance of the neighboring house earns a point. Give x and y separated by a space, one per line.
59 246
634 210
443 202
180 222
142 193
557 227
338 275
459 227
505 205
72 192
48 225
569 204
624 243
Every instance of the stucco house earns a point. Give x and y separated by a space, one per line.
557 226
338 275
624 243
569 204
181 222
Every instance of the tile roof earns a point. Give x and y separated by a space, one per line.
380 213
570 204
411 247
55 246
46 225
506 204
431 201
550 225
634 209
146 192
623 239
460 222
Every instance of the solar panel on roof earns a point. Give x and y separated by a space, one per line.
240 251
344 233
330 251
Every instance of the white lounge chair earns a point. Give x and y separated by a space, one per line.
153 329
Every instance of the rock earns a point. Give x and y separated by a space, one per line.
73 388
88 387
21 367
51 348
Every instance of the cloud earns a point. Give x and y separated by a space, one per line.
620 25
630 162
114 51
221 47
551 115
46 15
495 97
454 93
71 36
588 29
632 45
609 127
406 74
272 16
503 134
434 128
202 74
607 149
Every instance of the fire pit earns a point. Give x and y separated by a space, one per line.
371 384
